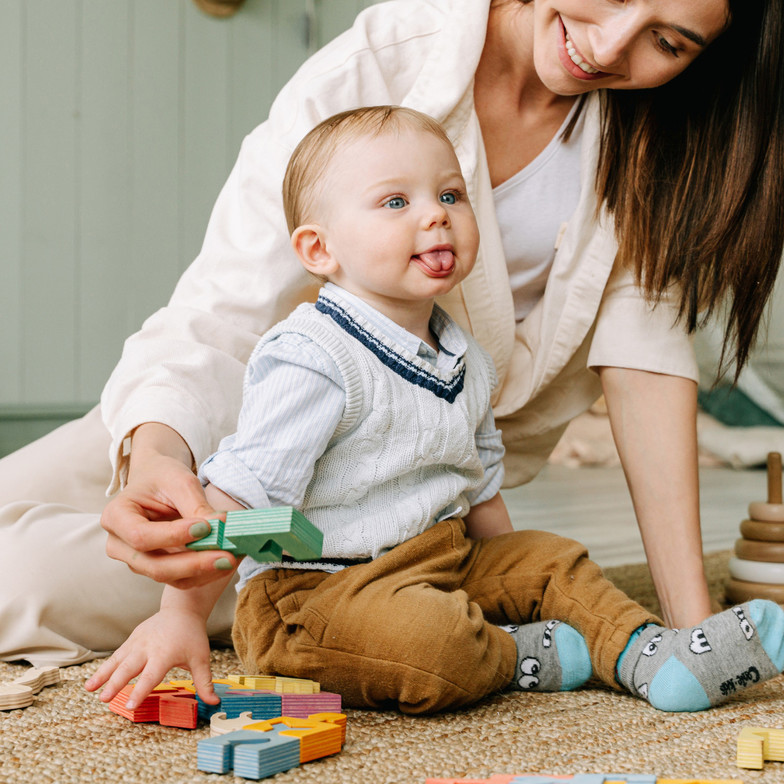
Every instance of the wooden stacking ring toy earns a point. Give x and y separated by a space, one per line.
749 550
762 532
739 591
773 510
757 571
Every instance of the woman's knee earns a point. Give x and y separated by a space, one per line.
68 466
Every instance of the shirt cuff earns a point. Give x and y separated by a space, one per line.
233 477
494 478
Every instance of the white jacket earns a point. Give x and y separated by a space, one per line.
184 367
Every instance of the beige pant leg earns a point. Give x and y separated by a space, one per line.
62 599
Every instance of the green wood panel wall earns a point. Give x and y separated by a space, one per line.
120 123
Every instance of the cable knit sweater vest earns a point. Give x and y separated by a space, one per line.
404 451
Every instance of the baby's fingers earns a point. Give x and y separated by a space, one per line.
202 680
151 676
125 670
103 673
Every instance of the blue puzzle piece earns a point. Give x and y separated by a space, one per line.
205 711
262 705
217 755
254 761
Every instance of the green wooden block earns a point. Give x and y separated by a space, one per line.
264 534
215 539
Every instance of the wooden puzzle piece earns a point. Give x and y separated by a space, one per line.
178 709
39 677
583 778
317 738
14 696
590 778
333 718
262 704
148 710
220 724
498 779
276 683
264 534
253 761
262 749
757 745
20 692
266 754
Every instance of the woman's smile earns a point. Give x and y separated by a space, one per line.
573 60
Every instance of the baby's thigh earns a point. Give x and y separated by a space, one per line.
378 642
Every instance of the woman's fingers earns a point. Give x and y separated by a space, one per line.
184 569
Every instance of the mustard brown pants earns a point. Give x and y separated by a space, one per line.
417 628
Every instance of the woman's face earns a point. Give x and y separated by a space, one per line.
582 45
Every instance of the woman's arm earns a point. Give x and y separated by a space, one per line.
654 423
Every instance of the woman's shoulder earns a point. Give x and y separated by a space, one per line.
388 51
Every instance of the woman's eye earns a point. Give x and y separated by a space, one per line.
449 198
395 203
663 44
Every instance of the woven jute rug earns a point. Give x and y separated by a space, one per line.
67 735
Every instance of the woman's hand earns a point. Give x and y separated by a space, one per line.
161 509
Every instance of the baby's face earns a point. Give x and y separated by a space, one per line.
397 218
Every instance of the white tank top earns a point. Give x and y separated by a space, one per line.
531 207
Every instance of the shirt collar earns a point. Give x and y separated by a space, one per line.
451 340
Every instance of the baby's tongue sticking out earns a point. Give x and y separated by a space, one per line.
438 260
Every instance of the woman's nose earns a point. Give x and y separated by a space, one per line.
611 40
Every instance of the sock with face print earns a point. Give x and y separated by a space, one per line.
692 669
551 656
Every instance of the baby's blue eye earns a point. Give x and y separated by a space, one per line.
448 198
396 203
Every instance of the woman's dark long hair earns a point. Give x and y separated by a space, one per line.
693 174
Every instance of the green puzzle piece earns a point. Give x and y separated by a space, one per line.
264 534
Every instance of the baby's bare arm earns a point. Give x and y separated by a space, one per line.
489 518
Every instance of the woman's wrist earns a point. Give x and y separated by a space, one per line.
154 439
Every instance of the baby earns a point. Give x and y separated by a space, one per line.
370 411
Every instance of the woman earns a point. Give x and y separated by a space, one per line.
680 160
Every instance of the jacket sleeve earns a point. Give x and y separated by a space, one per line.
632 333
184 367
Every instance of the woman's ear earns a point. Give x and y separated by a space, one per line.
309 243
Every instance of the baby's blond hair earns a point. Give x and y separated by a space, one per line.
312 155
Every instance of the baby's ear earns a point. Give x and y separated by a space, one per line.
309 243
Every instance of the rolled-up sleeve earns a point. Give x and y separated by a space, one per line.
293 400
634 333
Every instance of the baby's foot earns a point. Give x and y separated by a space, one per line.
551 656
692 669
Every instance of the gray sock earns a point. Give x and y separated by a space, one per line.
551 656
692 669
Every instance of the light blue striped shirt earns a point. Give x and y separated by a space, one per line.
293 400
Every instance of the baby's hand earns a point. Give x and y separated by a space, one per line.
171 638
